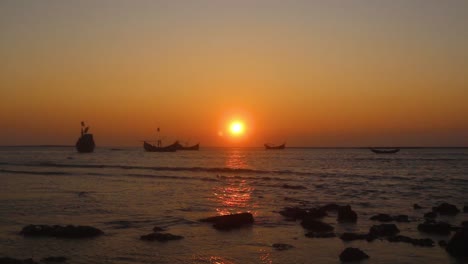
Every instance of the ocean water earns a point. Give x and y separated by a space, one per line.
126 192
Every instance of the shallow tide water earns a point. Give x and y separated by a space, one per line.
126 192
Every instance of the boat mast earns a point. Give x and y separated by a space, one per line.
159 143
82 126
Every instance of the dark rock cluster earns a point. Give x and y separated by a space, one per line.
295 213
228 222
161 237
430 215
353 254
457 246
54 259
389 218
69 231
446 209
7 260
354 236
313 225
423 242
383 230
320 234
281 246
432 227
346 214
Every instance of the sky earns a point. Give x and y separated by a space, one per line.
309 73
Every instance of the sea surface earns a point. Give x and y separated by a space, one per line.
126 192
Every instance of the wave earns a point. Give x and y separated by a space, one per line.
161 168
407 159
35 172
150 176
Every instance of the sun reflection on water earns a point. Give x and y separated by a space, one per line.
236 160
234 198
265 257
234 194
211 260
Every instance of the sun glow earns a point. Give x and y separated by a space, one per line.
236 128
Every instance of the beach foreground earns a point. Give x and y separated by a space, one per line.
128 193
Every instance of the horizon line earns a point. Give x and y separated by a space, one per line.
291 147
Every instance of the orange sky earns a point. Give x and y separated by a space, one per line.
323 73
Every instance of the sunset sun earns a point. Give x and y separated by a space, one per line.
236 128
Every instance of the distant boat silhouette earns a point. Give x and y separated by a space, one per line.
385 151
151 148
269 146
159 148
181 147
85 143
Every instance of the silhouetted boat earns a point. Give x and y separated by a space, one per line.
385 151
85 143
268 146
151 148
194 147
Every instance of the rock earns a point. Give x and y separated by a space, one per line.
353 236
161 237
446 209
227 222
353 254
7 260
416 206
316 212
157 229
388 218
280 246
442 243
320 234
464 224
293 212
458 244
54 259
430 215
401 218
330 207
465 209
423 242
439 228
346 214
69 231
382 218
383 230
81 194
294 187
313 225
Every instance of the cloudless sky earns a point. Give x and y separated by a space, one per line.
312 73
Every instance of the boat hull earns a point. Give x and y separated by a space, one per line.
151 148
385 151
194 147
85 144
275 147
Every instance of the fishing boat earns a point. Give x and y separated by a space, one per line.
269 146
384 150
194 147
85 143
159 148
152 148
